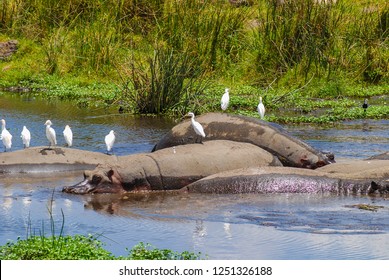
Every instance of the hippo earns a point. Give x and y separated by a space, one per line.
294 180
384 156
358 169
57 159
289 150
171 168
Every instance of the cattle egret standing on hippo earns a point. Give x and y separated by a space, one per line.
225 100
68 135
198 128
110 140
261 108
50 133
5 136
26 137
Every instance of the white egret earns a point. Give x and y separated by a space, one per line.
225 100
68 135
198 128
5 136
110 140
26 137
50 133
261 108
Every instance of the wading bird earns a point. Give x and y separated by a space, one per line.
261 108
26 137
198 128
50 133
68 135
365 105
5 136
110 140
225 100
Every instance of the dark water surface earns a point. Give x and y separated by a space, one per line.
277 226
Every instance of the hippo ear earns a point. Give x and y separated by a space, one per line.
87 174
305 163
382 187
373 187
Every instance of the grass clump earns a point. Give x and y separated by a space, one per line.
169 81
80 247
76 247
148 252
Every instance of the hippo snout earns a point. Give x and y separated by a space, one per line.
83 187
97 181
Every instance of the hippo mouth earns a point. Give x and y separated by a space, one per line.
83 187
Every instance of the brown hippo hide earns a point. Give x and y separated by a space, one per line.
290 180
171 168
291 151
358 169
42 159
383 156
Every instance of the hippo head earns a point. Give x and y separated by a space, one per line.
97 181
381 187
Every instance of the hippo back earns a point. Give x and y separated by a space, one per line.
173 168
291 151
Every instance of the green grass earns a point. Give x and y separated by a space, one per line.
55 248
80 247
298 55
58 246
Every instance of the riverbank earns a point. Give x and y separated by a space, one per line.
284 106
312 62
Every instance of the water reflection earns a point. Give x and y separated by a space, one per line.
282 226
350 139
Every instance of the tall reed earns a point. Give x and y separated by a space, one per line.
170 80
211 32
367 40
296 34
320 38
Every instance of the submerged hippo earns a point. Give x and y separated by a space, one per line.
43 159
295 180
291 151
171 168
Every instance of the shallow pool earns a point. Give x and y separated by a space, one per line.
277 226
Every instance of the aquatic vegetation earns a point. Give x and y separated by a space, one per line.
55 248
169 80
367 207
143 251
81 247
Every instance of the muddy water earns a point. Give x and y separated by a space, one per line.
282 226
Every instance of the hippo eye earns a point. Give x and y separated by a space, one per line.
96 179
